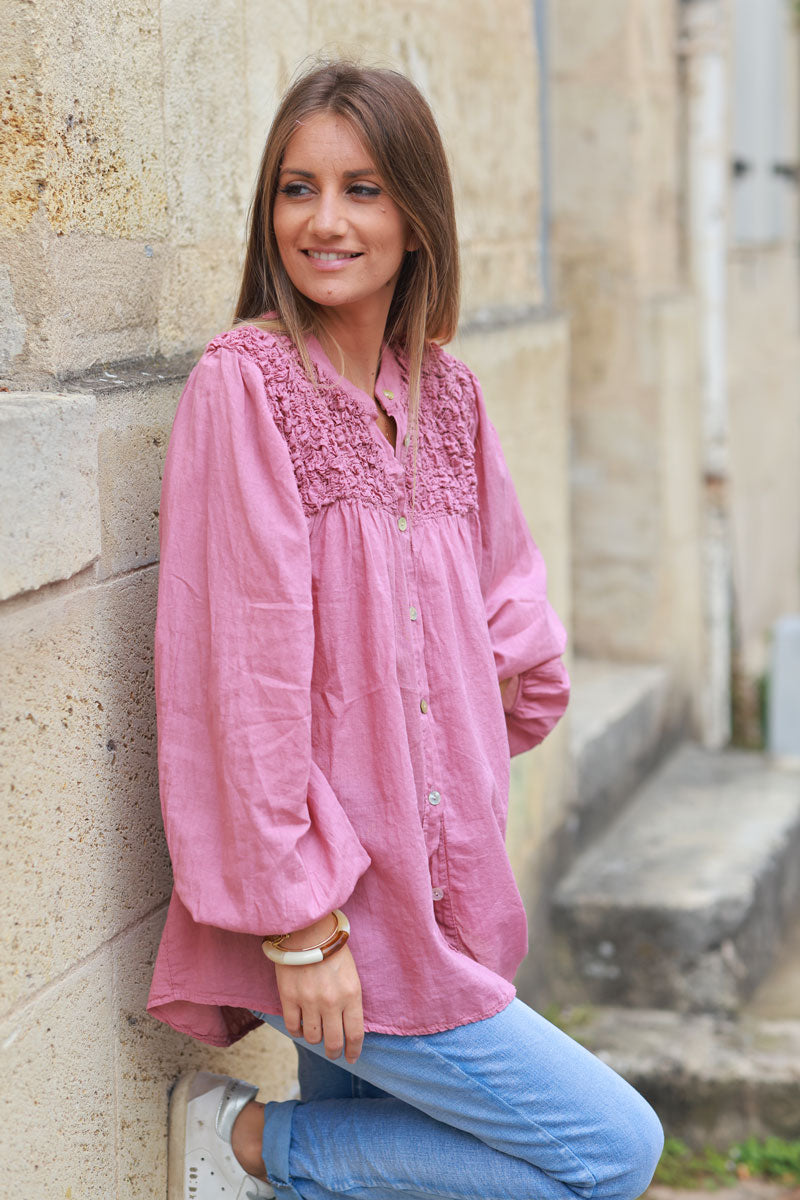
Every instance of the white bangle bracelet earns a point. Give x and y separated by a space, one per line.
303 958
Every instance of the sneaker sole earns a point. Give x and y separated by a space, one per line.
176 1147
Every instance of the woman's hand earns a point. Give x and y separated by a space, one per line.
322 1001
508 692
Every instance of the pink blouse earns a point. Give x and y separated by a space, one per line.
330 726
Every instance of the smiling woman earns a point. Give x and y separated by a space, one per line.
353 636
396 134
341 237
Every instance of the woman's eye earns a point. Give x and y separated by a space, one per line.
294 189
364 189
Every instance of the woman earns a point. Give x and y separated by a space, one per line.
352 634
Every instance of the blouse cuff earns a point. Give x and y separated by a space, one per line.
540 702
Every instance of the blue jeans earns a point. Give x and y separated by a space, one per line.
508 1108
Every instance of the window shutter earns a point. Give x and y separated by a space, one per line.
764 159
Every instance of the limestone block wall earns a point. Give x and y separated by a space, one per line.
137 137
86 873
525 370
656 518
633 379
136 132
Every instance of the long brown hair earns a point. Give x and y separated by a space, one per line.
398 128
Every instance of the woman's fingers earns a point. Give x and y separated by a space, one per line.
353 1023
292 1018
332 1031
322 1001
312 1027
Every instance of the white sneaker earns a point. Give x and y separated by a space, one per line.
202 1165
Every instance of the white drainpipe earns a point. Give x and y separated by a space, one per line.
704 43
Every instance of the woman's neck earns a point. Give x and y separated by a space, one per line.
354 347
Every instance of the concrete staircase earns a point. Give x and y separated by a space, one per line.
621 726
682 901
675 910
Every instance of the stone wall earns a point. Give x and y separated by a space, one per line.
137 139
633 382
684 401
137 130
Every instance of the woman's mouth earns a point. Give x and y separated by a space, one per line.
332 255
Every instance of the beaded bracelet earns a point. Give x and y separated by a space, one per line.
313 954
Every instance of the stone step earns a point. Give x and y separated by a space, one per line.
777 995
712 1080
682 902
621 723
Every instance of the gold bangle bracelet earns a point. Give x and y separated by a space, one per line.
314 954
276 941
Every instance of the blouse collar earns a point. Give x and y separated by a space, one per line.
389 385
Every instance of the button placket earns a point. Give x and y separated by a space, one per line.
396 407
429 765
443 911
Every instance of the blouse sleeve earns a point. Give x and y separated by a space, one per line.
258 841
527 637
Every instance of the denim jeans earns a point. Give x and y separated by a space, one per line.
508 1108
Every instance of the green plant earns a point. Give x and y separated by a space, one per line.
762 1158
681 1167
772 1158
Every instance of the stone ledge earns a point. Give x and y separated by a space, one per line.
132 373
683 900
711 1080
491 319
620 726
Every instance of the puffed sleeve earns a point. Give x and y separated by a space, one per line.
527 637
258 841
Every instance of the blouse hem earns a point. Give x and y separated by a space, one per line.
369 1026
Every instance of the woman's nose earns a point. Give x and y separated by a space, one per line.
327 217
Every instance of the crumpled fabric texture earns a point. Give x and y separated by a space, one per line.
330 726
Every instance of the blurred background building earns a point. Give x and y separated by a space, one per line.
626 176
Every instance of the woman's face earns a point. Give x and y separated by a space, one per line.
341 237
